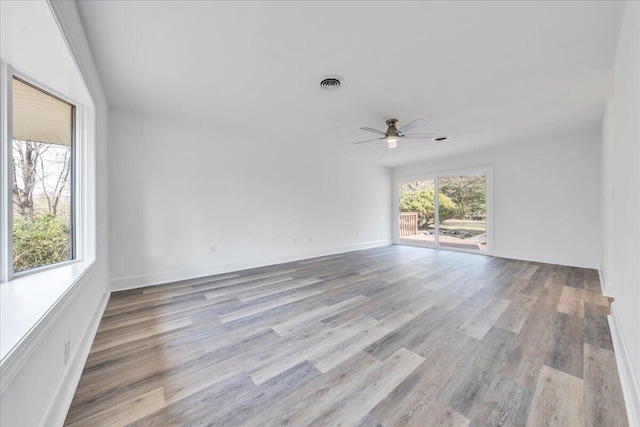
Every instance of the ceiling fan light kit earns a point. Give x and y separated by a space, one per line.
394 134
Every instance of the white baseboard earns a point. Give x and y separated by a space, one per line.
628 378
56 411
605 287
548 259
608 289
134 282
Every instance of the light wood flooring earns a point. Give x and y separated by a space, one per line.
394 336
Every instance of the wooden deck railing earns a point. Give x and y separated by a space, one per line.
408 223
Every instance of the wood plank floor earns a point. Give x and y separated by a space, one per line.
382 337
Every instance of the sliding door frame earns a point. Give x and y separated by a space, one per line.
488 170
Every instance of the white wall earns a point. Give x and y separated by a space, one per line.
546 198
606 160
623 277
178 189
42 388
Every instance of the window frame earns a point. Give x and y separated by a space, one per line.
73 181
435 176
78 226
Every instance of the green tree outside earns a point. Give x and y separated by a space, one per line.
468 192
421 200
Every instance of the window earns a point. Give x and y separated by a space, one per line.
40 198
447 210
42 185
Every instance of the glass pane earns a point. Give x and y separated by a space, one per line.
42 209
462 212
417 210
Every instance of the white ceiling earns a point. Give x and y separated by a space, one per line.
484 73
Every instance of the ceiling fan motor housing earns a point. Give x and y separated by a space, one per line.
392 130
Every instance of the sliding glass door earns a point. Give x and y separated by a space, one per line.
463 212
417 211
448 210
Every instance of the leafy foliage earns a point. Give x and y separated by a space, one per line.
421 200
43 240
469 194
42 204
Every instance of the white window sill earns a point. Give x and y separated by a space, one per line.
28 305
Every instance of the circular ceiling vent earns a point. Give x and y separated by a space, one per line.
331 83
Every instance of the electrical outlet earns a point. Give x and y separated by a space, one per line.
212 248
295 240
310 239
357 234
67 351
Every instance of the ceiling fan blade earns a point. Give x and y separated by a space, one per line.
368 140
420 135
368 129
411 125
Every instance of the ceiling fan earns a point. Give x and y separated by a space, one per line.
393 133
